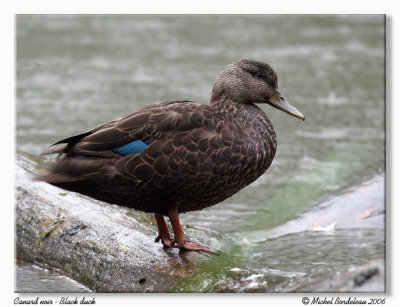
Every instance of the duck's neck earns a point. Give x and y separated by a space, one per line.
256 127
249 116
227 108
238 111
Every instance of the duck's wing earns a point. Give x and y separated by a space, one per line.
132 133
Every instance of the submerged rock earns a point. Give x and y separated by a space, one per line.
366 278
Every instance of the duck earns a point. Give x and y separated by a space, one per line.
178 156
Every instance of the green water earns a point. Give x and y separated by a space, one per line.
75 72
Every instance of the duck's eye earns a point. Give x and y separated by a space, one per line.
259 75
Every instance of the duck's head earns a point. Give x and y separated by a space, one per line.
249 81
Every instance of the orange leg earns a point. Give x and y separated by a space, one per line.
163 232
180 238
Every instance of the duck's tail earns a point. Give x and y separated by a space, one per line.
54 178
59 149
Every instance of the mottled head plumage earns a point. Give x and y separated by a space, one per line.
260 70
245 81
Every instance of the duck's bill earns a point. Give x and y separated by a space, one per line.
280 103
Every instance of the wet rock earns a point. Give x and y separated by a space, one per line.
104 247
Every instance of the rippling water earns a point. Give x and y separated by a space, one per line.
75 72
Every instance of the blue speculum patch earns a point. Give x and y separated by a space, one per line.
132 148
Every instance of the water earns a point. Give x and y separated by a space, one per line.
75 72
34 278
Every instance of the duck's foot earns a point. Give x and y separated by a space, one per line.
180 238
163 232
166 241
193 246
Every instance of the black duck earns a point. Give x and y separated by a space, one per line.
178 156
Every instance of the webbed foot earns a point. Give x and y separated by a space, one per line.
193 246
166 241
180 240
